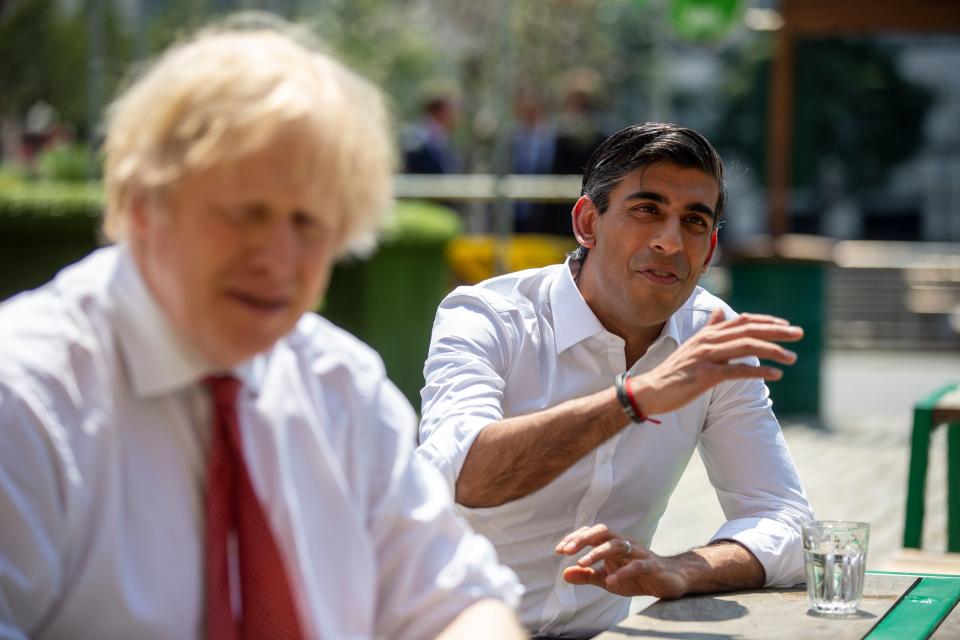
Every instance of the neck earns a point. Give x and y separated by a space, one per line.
637 338
637 348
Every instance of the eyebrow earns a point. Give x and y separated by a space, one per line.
697 207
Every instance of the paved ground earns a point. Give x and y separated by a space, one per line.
855 465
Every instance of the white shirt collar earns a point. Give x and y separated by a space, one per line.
574 321
671 329
158 361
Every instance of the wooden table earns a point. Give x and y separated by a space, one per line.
901 606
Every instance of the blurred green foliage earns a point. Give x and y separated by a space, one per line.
854 108
704 20
37 200
28 203
44 55
68 163
44 227
419 222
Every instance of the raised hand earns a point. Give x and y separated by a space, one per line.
705 360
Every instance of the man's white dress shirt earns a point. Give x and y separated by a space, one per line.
526 341
104 430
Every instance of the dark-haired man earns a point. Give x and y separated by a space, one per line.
562 404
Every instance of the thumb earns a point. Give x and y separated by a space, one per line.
716 316
583 575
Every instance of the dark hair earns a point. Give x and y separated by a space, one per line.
641 145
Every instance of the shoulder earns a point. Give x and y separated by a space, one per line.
522 292
327 349
50 335
495 317
55 374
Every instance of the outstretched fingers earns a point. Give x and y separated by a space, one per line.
615 549
745 347
744 371
584 537
761 330
761 318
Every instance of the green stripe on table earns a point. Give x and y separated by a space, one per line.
920 611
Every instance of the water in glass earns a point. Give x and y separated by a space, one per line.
835 555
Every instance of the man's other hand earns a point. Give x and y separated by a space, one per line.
626 568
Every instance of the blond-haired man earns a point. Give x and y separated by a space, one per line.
185 451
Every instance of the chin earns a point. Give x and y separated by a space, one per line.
230 348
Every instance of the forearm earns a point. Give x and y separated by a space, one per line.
515 457
722 566
484 619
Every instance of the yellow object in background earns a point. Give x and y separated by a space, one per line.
472 258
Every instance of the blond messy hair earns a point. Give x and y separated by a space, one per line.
227 93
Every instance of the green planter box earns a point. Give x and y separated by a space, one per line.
43 228
389 300
795 290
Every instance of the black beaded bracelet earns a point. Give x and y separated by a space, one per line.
620 383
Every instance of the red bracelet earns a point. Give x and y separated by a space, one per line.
641 416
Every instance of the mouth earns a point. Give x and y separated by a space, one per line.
261 304
660 274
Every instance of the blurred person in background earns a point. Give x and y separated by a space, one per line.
578 124
427 144
531 151
42 131
562 404
557 143
185 450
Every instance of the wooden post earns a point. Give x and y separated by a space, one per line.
780 134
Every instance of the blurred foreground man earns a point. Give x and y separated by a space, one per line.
563 404
185 451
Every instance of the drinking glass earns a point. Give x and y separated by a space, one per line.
835 554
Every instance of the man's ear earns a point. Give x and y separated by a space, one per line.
139 213
713 248
585 216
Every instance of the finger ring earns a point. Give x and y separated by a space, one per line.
629 549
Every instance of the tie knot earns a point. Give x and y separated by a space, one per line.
224 389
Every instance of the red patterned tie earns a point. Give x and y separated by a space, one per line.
267 608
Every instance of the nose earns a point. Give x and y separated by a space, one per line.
275 251
667 238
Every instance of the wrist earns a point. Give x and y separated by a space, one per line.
638 392
690 568
678 575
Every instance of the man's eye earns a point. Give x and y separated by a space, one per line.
309 225
304 220
697 220
242 214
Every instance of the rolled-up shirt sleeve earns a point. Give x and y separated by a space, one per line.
749 465
464 379
432 565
